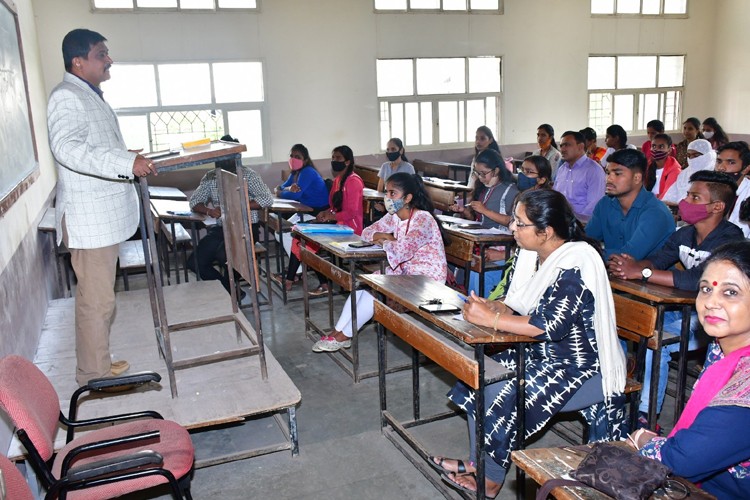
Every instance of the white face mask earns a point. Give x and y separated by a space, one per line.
708 135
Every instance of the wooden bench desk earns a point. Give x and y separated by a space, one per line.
370 196
337 246
663 297
450 188
47 225
369 174
457 346
172 213
166 193
442 169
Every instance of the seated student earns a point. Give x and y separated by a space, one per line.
700 157
535 173
397 162
629 219
580 178
733 158
709 196
616 139
710 445
713 133
413 244
654 128
345 201
545 137
592 150
663 168
691 131
205 200
484 139
559 294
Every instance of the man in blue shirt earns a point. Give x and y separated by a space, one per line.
579 178
629 219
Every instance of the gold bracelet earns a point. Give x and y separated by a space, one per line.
494 323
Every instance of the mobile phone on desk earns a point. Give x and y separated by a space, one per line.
439 308
361 244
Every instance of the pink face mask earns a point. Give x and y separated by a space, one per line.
296 163
693 212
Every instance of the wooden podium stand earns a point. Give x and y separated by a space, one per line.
240 249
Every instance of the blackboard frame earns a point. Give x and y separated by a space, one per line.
30 173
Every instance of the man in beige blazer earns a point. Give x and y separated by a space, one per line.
97 205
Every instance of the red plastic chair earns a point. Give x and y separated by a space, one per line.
104 463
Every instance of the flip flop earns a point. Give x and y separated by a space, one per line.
461 465
461 487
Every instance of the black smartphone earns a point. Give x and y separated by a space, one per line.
361 244
439 308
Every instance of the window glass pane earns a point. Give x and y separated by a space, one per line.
628 6
385 125
601 73
485 4
424 4
623 115
484 74
247 127
636 72
448 120
411 128
135 131
675 6
454 4
648 109
197 4
672 110
390 5
491 115
602 7
184 84
425 109
395 77
170 128
441 76
671 71
113 4
475 116
651 7
397 119
132 85
600 112
461 121
156 3
238 82
238 4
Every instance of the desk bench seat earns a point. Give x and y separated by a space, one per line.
435 345
131 258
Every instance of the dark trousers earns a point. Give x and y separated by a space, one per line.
291 271
211 250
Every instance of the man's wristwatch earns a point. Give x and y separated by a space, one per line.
646 273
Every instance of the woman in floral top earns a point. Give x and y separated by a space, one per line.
413 244
710 445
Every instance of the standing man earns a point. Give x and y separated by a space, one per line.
629 219
580 178
97 205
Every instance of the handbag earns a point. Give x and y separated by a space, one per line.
616 471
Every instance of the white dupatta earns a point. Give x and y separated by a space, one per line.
527 288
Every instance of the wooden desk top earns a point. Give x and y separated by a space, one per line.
543 464
166 193
163 207
480 238
372 194
447 184
337 244
280 205
454 166
411 291
216 150
655 293
47 224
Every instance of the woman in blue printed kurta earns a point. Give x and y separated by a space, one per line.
559 295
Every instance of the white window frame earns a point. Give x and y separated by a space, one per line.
435 100
640 13
225 108
499 11
135 9
637 92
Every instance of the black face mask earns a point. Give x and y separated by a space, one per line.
393 156
338 166
735 175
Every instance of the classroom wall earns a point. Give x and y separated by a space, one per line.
320 57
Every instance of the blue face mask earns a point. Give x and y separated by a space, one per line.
525 182
393 206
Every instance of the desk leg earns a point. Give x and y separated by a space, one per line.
415 382
479 422
194 235
381 370
267 258
655 364
520 416
482 265
174 254
305 294
355 329
679 400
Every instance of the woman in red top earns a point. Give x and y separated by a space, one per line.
663 168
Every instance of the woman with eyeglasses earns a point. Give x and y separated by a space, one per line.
559 295
710 444
535 173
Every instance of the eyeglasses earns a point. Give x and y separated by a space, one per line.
481 174
528 173
518 224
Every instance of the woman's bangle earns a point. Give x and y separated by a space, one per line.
494 323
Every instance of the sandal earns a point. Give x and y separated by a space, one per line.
438 463
461 487
281 281
321 290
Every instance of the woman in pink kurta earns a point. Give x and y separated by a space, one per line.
411 238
